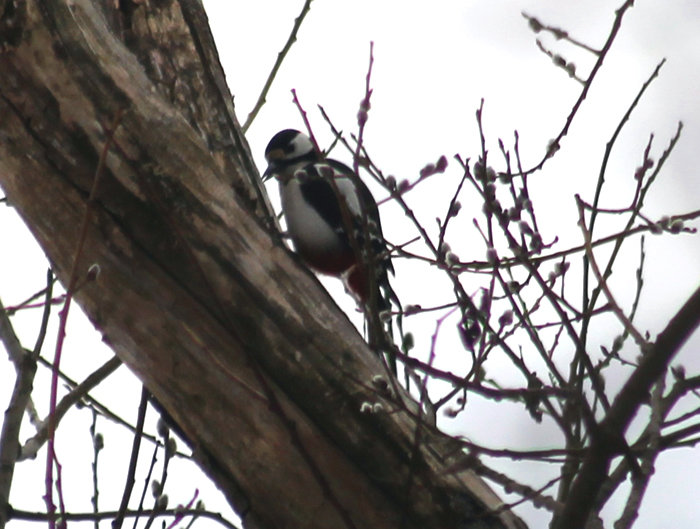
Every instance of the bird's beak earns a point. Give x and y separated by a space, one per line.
273 158
269 173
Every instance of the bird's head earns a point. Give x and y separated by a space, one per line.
287 152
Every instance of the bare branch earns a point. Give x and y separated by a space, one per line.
106 515
275 68
606 440
626 323
558 33
556 142
136 444
32 446
25 367
72 282
640 481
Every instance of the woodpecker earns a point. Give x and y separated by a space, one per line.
329 211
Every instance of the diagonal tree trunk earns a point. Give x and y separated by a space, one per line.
197 295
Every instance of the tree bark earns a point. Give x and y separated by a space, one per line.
197 294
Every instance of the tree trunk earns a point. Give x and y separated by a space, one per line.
197 294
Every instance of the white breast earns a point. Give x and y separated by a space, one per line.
304 224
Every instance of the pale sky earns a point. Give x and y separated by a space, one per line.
432 67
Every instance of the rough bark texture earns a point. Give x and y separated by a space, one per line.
196 293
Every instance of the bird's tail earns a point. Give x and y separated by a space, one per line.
377 295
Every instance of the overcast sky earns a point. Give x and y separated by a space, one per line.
432 67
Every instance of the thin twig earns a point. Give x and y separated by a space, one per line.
129 485
560 62
72 281
363 113
160 493
556 142
280 59
28 302
185 507
527 492
62 524
305 119
146 485
626 323
43 326
97 445
106 515
31 446
10 340
558 33
645 228
589 303
553 455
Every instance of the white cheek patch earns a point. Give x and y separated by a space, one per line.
302 145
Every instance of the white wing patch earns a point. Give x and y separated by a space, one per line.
348 192
346 188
